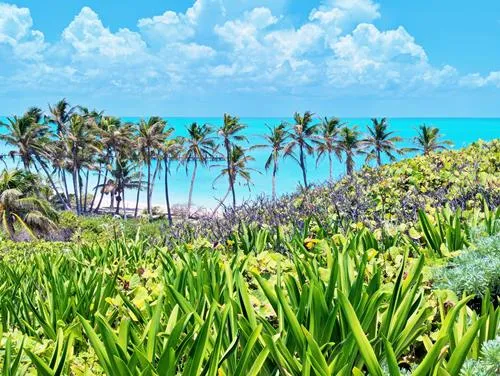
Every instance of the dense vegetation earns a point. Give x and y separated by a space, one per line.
381 273
391 270
69 146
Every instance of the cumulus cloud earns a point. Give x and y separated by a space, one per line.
231 45
17 34
88 36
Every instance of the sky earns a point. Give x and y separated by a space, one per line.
253 58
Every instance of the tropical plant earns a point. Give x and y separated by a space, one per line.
238 168
351 145
328 139
60 114
303 140
150 140
429 140
276 141
199 148
230 133
381 142
172 150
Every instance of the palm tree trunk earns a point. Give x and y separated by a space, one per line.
76 183
155 173
65 184
102 192
86 190
349 165
379 159
221 202
331 166
191 189
230 176
149 182
138 192
51 181
303 166
124 203
275 168
80 187
96 188
167 198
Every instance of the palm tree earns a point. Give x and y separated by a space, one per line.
380 141
238 168
115 139
24 134
151 136
199 147
125 176
275 140
31 141
351 145
80 143
60 114
302 139
18 204
230 133
429 140
327 141
172 150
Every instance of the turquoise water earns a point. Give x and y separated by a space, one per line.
460 131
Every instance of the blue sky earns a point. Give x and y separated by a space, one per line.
253 57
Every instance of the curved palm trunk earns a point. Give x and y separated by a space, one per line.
191 189
52 183
167 198
102 192
303 166
150 193
65 184
221 202
124 203
138 193
96 188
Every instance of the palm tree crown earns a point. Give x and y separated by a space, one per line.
303 140
380 141
428 140
351 145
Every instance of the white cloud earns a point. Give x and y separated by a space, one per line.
16 32
88 36
476 80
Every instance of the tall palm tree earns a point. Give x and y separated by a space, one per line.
380 141
428 140
80 143
238 168
230 132
275 140
303 140
18 204
151 136
327 141
199 147
115 138
172 150
351 145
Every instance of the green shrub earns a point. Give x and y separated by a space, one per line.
488 364
474 271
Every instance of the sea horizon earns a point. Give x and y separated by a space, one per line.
461 131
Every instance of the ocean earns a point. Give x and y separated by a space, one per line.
461 131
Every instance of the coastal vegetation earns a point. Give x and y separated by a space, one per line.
392 269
